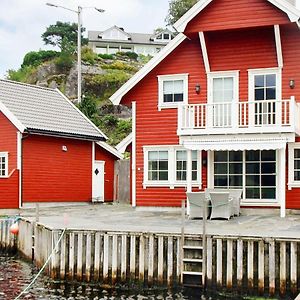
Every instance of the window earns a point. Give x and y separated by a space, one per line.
181 165
3 164
166 36
158 165
255 171
172 89
294 165
167 166
264 91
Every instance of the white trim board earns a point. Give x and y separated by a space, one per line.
12 118
121 147
117 96
110 149
292 12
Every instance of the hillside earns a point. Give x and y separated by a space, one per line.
102 75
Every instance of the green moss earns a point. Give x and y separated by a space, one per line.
25 74
119 65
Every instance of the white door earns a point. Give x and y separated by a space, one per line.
98 181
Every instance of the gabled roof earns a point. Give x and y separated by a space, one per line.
110 149
118 29
46 111
292 12
117 96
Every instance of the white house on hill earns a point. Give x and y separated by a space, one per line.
116 39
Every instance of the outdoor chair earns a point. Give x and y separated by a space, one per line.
221 204
195 204
236 201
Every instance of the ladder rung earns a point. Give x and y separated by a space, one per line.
193 260
192 273
192 247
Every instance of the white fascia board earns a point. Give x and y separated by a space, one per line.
121 147
181 24
292 12
117 96
12 118
81 113
110 149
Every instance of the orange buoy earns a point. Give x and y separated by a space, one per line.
14 228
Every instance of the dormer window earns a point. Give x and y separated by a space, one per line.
166 36
173 89
159 37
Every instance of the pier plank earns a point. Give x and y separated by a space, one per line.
132 256
261 267
272 268
282 267
123 258
219 262
250 262
209 263
97 256
170 261
239 272
105 257
293 267
114 262
142 258
229 264
63 258
79 255
160 259
151 260
88 257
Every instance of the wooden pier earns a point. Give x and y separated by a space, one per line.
266 266
7 240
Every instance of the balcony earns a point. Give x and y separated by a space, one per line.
267 116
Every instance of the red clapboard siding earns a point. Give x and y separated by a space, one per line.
9 191
230 14
109 171
8 141
293 195
159 128
50 174
290 38
9 187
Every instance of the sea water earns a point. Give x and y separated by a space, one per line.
15 275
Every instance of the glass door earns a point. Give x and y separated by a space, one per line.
222 99
265 99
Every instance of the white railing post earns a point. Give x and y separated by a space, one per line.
251 114
235 113
180 118
278 113
293 115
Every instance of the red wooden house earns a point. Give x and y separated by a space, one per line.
218 107
49 151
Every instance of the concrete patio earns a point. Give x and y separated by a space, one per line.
125 218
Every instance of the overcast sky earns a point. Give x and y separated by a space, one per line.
23 21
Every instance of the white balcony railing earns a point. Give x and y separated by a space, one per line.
241 117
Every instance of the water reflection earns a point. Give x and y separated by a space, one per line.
16 274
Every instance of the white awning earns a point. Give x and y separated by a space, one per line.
237 144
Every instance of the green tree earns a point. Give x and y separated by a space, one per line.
62 34
177 8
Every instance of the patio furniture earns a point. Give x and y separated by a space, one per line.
236 196
195 202
221 205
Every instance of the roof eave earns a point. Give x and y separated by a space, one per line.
117 96
12 118
110 149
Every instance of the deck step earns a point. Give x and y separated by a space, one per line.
192 273
192 247
193 260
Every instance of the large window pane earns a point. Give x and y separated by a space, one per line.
236 181
271 80
268 168
235 168
268 155
268 180
252 168
252 193
259 81
173 91
221 168
236 156
221 180
221 156
268 193
157 165
252 155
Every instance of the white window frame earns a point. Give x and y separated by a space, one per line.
5 155
264 71
161 80
292 183
171 182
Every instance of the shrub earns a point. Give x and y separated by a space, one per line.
119 65
24 74
34 58
131 55
64 62
88 106
105 56
87 55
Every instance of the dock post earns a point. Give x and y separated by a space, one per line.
182 240
261 267
294 268
204 245
272 268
